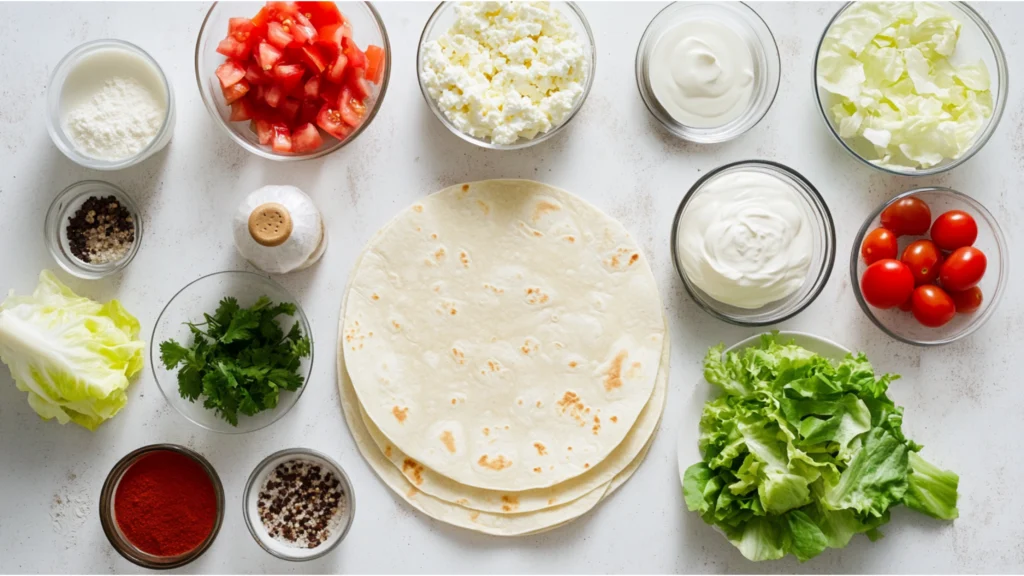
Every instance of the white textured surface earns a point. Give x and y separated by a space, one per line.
963 401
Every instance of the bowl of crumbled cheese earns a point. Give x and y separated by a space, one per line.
109 105
506 75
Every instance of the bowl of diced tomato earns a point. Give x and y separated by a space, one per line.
293 80
929 266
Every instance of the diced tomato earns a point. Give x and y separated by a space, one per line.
255 75
352 110
329 92
274 95
309 110
261 18
306 138
240 29
356 57
282 141
337 70
314 58
374 64
268 55
264 131
321 13
236 91
312 88
230 73
333 35
289 76
330 120
232 48
303 29
278 36
356 83
289 109
242 110
282 9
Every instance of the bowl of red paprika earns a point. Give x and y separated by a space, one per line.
162 506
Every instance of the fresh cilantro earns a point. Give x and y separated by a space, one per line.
240 358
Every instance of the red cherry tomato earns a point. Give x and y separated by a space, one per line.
907 217
923 258
906 306
932 306
887 283
879 244
967 301
954 229
963 269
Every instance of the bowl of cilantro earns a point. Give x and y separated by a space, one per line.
232 352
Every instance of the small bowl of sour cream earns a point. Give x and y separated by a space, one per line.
109 105
708 71
753 242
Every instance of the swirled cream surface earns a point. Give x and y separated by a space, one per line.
746 239
702 73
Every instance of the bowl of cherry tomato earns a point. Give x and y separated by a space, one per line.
293 80
930 266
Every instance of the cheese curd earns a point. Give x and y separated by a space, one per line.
505 70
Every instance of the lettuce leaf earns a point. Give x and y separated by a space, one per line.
800 454
898 101
73 356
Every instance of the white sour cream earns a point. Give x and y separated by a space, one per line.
702 73
746 240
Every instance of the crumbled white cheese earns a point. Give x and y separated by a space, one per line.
506 70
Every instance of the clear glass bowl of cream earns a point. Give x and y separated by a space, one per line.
754 243
708 71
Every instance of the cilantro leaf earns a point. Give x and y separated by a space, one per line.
172 353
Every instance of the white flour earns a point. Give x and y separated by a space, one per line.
121 119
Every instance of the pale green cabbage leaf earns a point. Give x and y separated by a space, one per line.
800 454
898 101
72 355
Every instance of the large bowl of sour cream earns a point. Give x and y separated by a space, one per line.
753 242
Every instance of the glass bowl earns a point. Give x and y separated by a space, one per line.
64 207
55 97
202 297
250 499
764 51
822 257
901 325
977 40
113 531
367 28
443 18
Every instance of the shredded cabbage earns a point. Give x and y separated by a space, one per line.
72 355
898 99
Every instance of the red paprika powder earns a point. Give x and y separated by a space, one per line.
165 504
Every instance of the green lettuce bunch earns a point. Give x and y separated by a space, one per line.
72 355
800 454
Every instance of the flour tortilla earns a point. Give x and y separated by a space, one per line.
434 484
503 326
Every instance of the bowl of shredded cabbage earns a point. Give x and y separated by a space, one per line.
910 88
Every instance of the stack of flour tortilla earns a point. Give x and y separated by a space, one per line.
503 359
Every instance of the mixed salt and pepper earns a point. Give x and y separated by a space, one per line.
301 503
101 231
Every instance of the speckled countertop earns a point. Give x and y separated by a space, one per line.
962 401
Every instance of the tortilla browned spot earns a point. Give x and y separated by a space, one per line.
613 378
541 449
413 468
542 208
509 503
400 413
499 463
449 441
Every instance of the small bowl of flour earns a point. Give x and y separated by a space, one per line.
110 105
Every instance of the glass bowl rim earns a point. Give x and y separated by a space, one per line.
827 227
109 521
519 144
1001 95
211 106
64 65
300 315
1001 245
52 231
650 102
250 485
